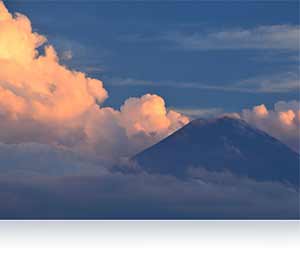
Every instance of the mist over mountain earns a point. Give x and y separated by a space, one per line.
222 144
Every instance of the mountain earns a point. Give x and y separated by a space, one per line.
222 144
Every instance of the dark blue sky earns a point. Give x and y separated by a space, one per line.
226 55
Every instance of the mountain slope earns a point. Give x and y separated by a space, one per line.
222 144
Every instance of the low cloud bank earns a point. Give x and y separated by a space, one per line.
142 196
42 181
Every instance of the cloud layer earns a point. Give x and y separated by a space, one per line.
43 101
277 37
144 196
273 83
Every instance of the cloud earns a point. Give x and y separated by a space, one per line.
277 44
165 83
275 37
116 195
35 159
274 83
57 143
43 101
283 122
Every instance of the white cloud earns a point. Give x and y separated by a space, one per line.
277 37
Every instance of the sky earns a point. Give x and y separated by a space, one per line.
213 56
86 86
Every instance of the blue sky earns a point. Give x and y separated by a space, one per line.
219 56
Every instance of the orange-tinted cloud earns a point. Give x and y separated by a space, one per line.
43 101
283 122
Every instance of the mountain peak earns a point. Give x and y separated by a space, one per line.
222 144
225 120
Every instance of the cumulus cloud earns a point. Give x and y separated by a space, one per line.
283 122
42 101
45 102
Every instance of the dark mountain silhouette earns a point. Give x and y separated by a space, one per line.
222 144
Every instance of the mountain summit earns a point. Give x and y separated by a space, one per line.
222 144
